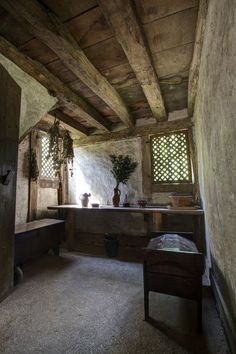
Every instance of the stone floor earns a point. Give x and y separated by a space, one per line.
81 304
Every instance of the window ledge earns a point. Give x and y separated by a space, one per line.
173 187
48 183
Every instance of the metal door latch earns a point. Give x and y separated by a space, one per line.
5 179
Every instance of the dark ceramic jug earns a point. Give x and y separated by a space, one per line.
116 197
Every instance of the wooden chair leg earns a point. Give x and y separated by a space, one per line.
199 316
146 305
56 250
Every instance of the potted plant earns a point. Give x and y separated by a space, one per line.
122 168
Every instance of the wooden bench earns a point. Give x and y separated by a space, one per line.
37 237
173 265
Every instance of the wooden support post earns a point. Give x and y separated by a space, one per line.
70 229
33 184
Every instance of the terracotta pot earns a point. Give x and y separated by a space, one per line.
116 197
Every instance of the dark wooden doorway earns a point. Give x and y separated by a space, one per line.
10 103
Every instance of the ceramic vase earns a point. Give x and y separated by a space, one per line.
116 197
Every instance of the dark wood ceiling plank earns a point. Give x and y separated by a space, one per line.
175 95
38 51
121 75
61 71
56 87
89 28
59 39
121 16
195 64
106 54
173 61
151 10
81 88
171 31
12 30
67 9
159 127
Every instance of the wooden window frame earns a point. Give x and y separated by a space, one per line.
45 182
148 187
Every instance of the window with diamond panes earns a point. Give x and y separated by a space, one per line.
47 170
171 158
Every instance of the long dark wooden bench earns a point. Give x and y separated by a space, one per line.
37 237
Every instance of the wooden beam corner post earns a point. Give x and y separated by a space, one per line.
33 182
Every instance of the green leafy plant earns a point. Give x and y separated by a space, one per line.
122 168
68 151
33 166
60 147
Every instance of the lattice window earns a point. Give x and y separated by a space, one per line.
47 170
171 158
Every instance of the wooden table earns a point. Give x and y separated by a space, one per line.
71 212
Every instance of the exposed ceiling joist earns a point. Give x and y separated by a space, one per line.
196 60
37 21
160 127
70 121
55 86
121 17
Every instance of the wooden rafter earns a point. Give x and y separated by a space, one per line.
159 127
121 17
195 64
38 22
55 86
70 121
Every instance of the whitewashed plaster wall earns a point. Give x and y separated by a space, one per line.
46 196
92 172
22 186
215 130
35 101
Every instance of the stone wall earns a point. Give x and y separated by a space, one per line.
216 143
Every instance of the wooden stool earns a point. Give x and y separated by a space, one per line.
173 265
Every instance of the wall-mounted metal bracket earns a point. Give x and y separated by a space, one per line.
5 179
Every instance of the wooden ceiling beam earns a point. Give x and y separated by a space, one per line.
38 21
160 127
66 97
196 59
129 33
70 121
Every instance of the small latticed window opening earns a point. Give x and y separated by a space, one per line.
47 169
171 158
